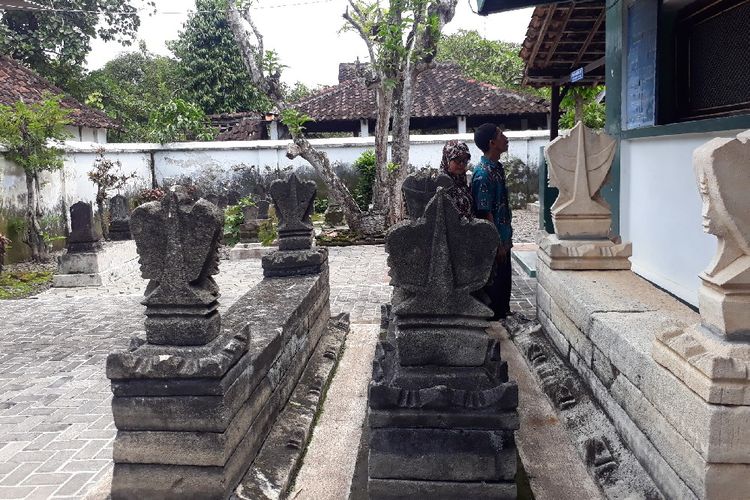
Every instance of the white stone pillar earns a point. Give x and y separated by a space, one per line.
364 127
461 124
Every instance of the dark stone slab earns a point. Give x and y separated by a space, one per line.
507 420
442 454
295 262
85 233
263 206
119 213
389 489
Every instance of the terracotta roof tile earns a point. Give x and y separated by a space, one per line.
18 82
440 92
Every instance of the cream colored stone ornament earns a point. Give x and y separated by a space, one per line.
578 166
713 358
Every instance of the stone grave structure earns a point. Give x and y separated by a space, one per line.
87 261
334 215
119 213
673 382
249 246
211 405
441 409
293 200
712 357
579 164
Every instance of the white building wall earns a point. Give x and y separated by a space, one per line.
660 211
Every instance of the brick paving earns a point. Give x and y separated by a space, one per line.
56 427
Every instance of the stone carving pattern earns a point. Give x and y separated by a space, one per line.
293 200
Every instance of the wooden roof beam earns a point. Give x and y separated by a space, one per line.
589 38
542 32
558 35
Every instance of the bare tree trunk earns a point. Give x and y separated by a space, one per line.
579 113
380 189
400 145
34 238
252 56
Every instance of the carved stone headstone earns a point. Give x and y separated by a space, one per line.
119 212
579 164
334 215
293 201
263 206
439 387
250 225
177 240
85 235
713 358
419 189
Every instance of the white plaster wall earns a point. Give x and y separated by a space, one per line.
661 211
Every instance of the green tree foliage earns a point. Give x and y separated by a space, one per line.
55 43
585 97
130 88
211 66
365 167
489 61
29 132
178 120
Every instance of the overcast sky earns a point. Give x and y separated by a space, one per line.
305 34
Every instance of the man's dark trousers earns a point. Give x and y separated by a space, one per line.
499 290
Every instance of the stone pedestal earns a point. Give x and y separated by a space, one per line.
243 251
110 262
441 409
119 212
601 254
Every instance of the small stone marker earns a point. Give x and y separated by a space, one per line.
579 164
177 240
85 235
263 206
334 215
293 200
119 212
439 387
419 189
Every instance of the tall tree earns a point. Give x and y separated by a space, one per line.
489 61
211 65
29 132
130 88
55 42
402 42
264 71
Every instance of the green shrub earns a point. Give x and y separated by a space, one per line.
321 205
365 167
234 217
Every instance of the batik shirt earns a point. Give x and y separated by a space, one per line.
491 195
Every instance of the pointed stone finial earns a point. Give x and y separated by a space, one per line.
293 200
578 166
177 241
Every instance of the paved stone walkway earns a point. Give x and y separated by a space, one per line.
56 428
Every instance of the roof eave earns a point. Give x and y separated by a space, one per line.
487 7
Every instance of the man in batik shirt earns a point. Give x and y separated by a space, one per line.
491 203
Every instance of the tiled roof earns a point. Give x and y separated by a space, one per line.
440 92
18 82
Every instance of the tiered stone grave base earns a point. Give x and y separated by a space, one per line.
604 324
582 254
192 420
111 262
243 251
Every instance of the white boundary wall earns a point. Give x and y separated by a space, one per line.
218 159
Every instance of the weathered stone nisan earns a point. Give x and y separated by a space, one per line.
419 189
85 233
119 213
178 243
293 200
442 411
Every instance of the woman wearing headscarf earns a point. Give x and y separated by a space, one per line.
454 164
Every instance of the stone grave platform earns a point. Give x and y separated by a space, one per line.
112 261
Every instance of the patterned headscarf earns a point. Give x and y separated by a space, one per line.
454 150
459 193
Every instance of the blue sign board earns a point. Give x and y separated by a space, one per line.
576 75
